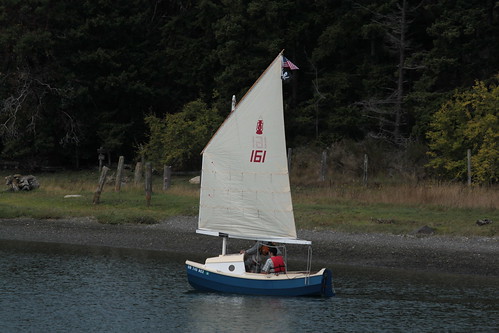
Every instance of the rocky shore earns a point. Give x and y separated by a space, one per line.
456 255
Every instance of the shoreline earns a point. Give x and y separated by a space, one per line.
433 254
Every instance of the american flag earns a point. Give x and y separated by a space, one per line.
288 64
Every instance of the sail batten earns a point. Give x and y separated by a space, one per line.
245 190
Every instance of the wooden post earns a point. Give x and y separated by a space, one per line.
148 183
167 177
102 157
469 166
233 107
102 180
364 180
119 174
323 166
137 177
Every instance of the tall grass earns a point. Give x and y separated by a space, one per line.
445 195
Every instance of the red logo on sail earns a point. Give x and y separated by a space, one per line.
259 127
259 151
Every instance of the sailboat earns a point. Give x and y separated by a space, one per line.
245 194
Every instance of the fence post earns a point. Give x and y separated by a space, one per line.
119 174
102 180
137 176
148 183
167 177
102 157
323 166
469 166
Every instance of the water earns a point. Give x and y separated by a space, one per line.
111 291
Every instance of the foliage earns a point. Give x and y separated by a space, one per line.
178 139
468 121
75 76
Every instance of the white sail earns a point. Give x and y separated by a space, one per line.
245 190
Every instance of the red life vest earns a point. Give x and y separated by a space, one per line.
278 262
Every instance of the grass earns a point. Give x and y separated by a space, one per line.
401 209
127 206
397 208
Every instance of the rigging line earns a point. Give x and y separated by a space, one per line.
309 265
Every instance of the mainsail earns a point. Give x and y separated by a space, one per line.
245 190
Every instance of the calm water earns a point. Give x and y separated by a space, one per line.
112 291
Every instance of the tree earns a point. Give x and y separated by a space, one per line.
389 111
178 139
461 46
36 114
470 120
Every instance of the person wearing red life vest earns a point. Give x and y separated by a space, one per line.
275 264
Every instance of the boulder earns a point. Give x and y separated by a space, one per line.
195 180
426 230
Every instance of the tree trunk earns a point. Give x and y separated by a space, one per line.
400 81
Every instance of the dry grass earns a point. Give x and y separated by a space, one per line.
445 195
394 177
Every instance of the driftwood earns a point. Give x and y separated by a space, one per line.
18 182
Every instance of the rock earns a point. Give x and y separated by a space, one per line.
483 222
72 196
426 230
382 221
195 180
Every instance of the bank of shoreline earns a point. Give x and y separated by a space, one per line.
455 255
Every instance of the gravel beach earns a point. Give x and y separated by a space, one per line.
429 253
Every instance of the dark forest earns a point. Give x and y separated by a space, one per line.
78 75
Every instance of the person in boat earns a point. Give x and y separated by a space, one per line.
275 264
254 256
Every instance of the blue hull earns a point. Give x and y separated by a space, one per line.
318 285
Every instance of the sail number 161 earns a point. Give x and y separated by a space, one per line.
258 156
